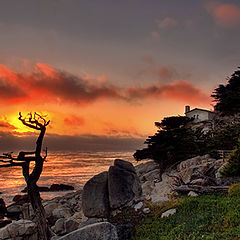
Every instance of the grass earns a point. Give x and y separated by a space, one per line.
214 217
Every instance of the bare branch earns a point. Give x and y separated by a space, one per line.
29 123
35 121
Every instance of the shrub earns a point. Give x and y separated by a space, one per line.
232 168
234 189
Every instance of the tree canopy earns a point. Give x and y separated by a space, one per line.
227 97
173 142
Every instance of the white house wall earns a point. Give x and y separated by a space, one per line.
198 115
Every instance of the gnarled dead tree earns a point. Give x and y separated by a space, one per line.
39 123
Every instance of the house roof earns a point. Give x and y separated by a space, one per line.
199 109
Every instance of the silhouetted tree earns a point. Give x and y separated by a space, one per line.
173 142
227 97
39 123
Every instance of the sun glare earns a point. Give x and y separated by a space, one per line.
19 127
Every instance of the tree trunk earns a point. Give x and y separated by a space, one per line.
39 211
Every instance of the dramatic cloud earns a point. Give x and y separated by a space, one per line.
167 23
46 84
226 15
178 90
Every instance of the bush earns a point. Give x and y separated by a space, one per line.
234 189
232 168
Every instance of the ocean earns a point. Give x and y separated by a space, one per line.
72 168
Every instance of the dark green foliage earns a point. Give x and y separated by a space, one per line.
227 96
173 122
173 142
205 217
233 166
225 138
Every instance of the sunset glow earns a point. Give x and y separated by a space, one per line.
95 75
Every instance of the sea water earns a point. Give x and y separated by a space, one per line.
72 168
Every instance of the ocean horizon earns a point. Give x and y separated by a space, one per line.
72 168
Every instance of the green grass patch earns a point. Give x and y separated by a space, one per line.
206 217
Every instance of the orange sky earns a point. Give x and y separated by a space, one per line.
80 105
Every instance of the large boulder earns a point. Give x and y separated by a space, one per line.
3 208
123 184
95 201
151 176
97 231
21 199
22 229
144 168
63 226
14 211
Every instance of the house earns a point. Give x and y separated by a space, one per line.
199 115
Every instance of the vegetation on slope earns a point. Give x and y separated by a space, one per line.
215 217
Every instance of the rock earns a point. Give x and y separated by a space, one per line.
147 187
95 201
125 165
195 172
97 231
146 210
90 221
62 212
123 186
63 226
70 225
138 206
188 163
14 211
199 181
3 208
78 217
192 194
151 176
59 228
161 192
60 187
21 199
50 206
169 212
22 229
144 168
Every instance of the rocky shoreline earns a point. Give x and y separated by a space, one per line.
95 210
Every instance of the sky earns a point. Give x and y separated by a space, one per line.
103 71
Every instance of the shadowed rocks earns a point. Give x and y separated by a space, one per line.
111 190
